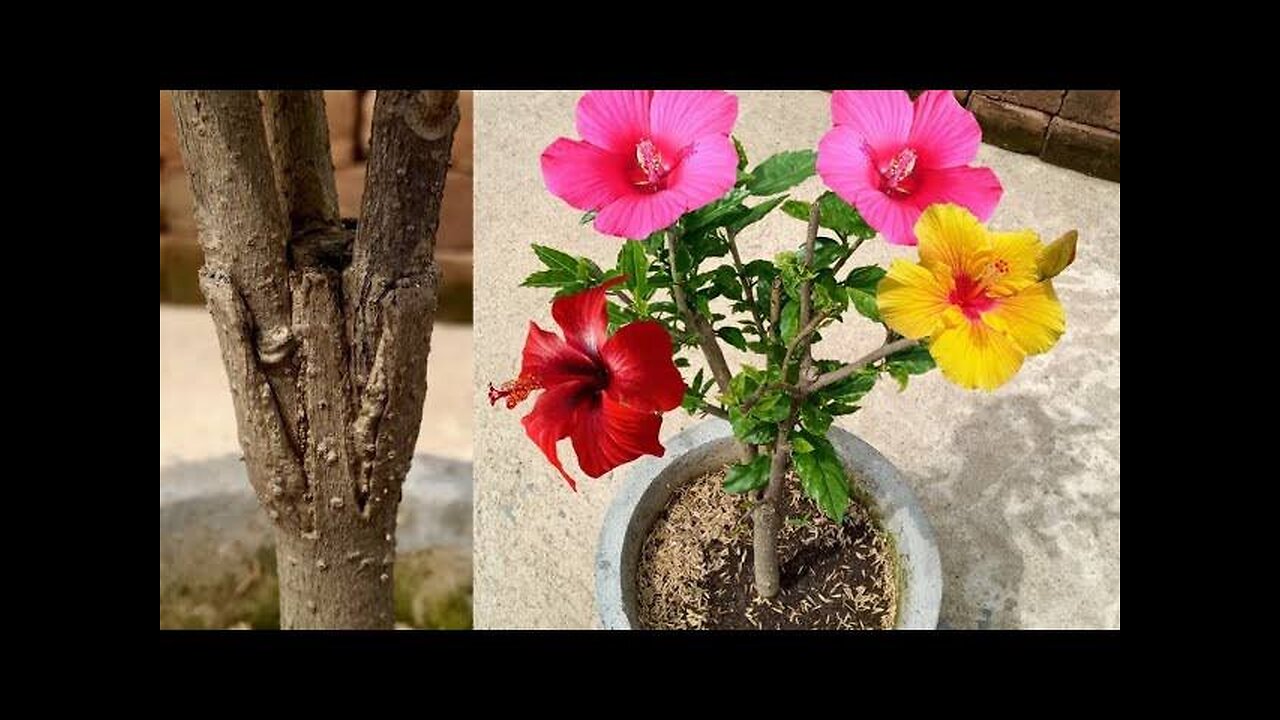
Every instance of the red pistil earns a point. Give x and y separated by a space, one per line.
515 391
896 178
971 296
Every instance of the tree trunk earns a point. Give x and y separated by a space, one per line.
327 383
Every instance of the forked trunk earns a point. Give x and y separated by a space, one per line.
324 335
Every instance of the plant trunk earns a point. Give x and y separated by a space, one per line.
328 384
766 519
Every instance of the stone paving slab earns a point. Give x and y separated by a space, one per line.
1022 485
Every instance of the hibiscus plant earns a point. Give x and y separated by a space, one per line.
661 171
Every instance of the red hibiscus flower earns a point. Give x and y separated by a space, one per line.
607 394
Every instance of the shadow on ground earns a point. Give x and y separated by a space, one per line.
1015 488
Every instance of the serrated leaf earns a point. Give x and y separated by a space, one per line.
634 263
782 172
756 213
913 361
548 278
733 336
842 217
727 282
744 477
800 445
797 209
865 303
814 419
865 278
789 324
749 430
1057 255
823 478
555 259
717 213
774 407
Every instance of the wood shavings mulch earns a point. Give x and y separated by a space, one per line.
695 569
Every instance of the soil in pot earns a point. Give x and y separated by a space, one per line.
695 569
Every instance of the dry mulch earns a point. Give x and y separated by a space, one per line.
695 568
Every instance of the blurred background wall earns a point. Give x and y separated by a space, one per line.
350 113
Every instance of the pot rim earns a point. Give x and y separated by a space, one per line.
895 505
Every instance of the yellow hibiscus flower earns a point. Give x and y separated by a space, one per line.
977 296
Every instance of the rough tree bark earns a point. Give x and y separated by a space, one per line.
324 336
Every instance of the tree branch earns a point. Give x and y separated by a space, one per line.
395 241
748 290
706 336
298 136
806 291
242 227
841 373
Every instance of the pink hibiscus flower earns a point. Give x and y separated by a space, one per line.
646 157
891 160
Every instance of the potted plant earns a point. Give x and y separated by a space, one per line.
767 516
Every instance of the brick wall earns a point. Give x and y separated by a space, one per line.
349 113
1078 129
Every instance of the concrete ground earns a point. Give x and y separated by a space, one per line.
197 421
1021 484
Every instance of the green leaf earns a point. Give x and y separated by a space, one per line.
827 251
727 282
717 213
749 430
549 278
842 217
744 477
742 154
733 336
797 209
774 407
782 172
865 278
790 322
756 213
800 445
913 361
823 477
815 419
865 303
555 259
634 263
1057 255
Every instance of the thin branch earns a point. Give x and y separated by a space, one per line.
775 308
806 291
748 290
706 336
836 268
841 373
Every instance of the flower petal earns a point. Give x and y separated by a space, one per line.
641 372
583 318
554 416
912 299
844 165
973 355
608 434
678 118
637 215
583 175
951 236
881 117
705 173
614 119
892 218
1020 250
942 132
1034 319
977 189
552 361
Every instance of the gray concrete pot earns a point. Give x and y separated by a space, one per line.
709 446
